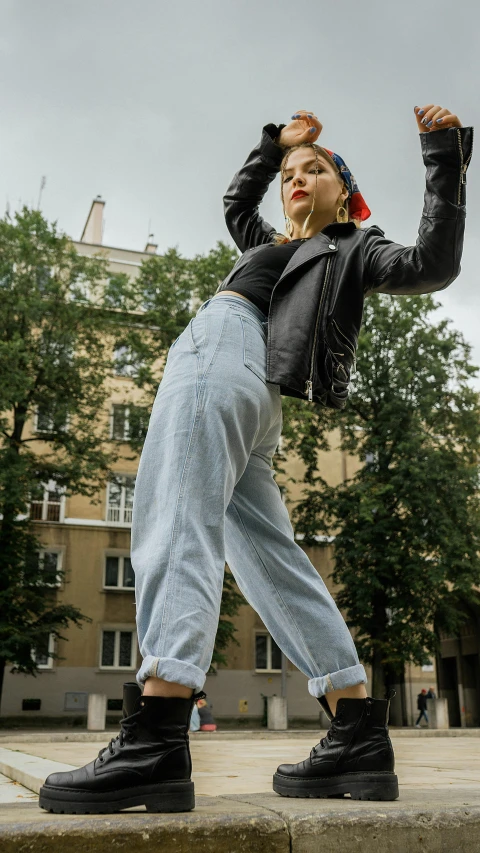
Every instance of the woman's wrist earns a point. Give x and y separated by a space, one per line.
275 131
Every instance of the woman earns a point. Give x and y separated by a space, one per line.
284 322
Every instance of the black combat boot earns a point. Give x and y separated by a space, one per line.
148 763
355 757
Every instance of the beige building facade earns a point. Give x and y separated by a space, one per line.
90 542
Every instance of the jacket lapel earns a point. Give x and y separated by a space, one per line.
316 246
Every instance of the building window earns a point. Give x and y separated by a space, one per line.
119 573
120 426
118 650
44 421
46 502
120 500
268 655
42 653
48 565
80 289
129 423
48 421
124 361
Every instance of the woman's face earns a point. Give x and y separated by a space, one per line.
299 189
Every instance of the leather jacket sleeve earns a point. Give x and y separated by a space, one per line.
434 262
247 189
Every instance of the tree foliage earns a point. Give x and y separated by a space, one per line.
407 524
54 361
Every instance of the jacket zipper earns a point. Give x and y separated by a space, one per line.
309 382
347 344
463 166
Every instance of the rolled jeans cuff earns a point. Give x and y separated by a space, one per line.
337 680
171 669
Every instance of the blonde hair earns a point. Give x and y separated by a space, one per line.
285 238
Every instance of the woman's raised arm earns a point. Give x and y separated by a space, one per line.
249 185
434 262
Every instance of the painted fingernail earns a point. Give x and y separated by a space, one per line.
429 123
439 120
296 116
312 129
421 112
309 115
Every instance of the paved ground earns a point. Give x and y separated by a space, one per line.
13 792
246 766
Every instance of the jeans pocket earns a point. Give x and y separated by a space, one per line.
197 329
254 349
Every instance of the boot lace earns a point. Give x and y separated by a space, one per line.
127 727
337 721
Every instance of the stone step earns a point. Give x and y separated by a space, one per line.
259 823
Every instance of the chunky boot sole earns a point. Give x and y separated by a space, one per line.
360 786
164 797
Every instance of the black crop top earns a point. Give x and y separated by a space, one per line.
257 279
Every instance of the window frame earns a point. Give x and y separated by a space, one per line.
59 552
51 429
130 368
45 503
117 630
120 556
269 669
50 652
123 511
126 423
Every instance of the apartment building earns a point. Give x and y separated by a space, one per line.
90 542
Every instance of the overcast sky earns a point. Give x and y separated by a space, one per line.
155 105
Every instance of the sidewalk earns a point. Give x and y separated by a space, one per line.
237 812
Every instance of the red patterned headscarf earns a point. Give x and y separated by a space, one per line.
357 206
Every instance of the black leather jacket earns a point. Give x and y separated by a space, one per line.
317 304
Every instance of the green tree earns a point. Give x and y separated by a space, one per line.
159 303
407 525
208 271
53 362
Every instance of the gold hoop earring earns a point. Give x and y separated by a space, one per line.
342 214
289 226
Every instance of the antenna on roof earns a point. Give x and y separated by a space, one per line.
42 187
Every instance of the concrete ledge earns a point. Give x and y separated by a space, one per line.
395 827
29 770
216 826
260 823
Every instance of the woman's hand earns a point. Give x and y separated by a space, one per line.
434 118
304 127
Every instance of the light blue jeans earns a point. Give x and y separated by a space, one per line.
205 493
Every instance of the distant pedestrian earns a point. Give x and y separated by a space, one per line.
431 693
194 719
422 707
207 722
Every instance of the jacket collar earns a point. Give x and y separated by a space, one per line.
319 244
